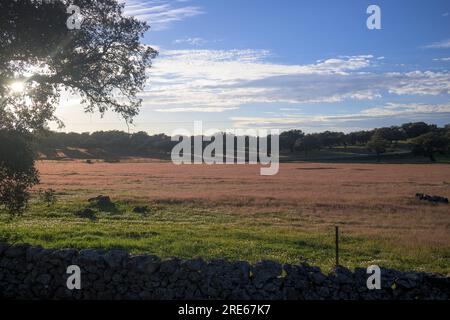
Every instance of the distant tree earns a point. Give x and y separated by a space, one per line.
416 129
119 143
430 144
163 144
139 142
358 137
307 143
447 127
378 144
330 139
392 134
114 141
289 138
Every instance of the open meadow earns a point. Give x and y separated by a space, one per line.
230 211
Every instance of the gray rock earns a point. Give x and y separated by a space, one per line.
44 279
324 292
169 266
115 258
32 252
141 210
16 251
265 270
145 264
145 295
194 264
90 255
3 247
66 254
318 278
343 275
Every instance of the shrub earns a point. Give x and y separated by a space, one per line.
48 196
17 172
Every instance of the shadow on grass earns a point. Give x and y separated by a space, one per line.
104 204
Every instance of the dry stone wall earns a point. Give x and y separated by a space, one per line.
32 272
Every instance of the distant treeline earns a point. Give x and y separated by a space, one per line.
118 143
419 137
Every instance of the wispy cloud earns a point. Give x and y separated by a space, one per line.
439 45
196 41
387 111
160 14
221 80
442 59
419 83
196 109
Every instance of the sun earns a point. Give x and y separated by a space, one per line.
17 87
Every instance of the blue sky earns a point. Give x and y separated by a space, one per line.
284 64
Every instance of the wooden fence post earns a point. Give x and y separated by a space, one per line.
337 245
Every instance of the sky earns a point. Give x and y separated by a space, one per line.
281 64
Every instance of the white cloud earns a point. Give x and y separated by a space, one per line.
441 59
160 14
421 83
196 109
439 45
399 109
387 111
196 41
220 80
209 81
225 79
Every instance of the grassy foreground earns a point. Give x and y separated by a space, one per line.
187 230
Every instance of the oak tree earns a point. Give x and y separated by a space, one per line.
103 62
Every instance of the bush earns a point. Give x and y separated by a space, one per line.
17 172
48 196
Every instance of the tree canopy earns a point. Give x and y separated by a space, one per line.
103 62
288 138
17 172
378 143
431 143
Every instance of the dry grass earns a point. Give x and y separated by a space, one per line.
367 199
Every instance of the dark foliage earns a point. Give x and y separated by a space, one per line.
48 196
103 62
17 172
119 143
289 138
431 143
378 143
